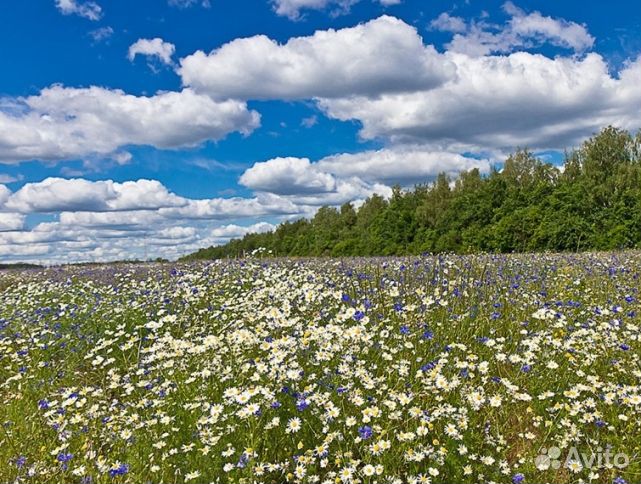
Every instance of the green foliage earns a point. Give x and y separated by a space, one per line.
594 203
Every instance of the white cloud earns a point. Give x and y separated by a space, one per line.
522 30
105 220
369 73
156 48
405 165
59 194
11 221
189 3
559 32
309 185
448 23
292 8
23 252
65 123
5 193
102 33
310 121
382 55
500 102
347 190
87 9
4 178
126 221
234 231
229 208
287 176
122 158
347 176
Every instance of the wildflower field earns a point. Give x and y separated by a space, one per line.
417 369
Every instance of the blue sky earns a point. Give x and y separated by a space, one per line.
238 115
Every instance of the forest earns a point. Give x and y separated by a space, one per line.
525 205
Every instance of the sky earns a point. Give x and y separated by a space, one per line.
153 128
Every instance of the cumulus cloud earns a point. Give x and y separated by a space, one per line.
5 193
292 8
522 30
189 3
136 220
404 165
559 32
106 220
11 221
59 194
87 9
287 176
339 178
499 102
448 23
236 207
155 48
23 252
379 73
451 101
307 185
234 231
102 33
65 123
382 55
347 190
310 121
4 178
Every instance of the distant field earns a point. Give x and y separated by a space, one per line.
515 369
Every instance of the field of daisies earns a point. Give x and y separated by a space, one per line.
404 370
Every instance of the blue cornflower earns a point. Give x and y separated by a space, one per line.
365 432
358 315
526 368
21 461
398 307
427 334
119 471
301 405
518 478
428 366
405 329
64 457
345 298
242 461
619 480
624 347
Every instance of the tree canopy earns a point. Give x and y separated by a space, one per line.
592 203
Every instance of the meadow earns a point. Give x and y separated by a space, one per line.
485 368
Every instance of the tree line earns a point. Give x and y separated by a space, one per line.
592 203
